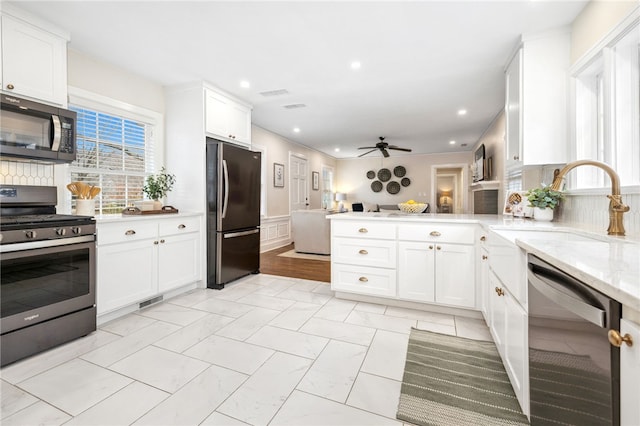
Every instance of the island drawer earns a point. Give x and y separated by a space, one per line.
348 228
363 279
437 233
380 253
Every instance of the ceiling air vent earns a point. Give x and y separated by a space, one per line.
277 92
294 106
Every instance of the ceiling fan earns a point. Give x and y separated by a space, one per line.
383 147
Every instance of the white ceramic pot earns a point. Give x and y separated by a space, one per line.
86 207
544 215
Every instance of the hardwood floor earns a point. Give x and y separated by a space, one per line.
271 263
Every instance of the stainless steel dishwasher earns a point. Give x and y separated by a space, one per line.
574 372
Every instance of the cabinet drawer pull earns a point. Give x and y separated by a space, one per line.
363 230
363 279
130 232
434 234
161 241
155 242
10 86
182 226
363 252
483 238
485 257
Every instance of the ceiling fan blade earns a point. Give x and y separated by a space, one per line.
400 149
368 152
368 147
385 152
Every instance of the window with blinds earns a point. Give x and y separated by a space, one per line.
114 153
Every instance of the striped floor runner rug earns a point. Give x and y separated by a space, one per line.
451 380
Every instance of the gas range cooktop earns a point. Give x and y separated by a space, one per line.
23 221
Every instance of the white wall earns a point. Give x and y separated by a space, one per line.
351 176
594 22
277 150
107 80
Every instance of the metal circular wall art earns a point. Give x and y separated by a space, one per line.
405 182
393 187
384 175
371 174
399 171
376 186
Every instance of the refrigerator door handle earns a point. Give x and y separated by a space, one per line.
241 234
225 203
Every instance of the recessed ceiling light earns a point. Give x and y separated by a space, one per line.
296 129
245 84
355 65
337 150
452 142
462 112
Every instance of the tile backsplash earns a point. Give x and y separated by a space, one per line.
26 173
593 210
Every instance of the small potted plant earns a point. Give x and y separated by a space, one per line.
158 185
544 200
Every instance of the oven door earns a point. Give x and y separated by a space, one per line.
45 281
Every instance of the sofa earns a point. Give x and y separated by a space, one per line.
311 231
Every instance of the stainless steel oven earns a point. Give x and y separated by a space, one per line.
36 131
574 372
47 274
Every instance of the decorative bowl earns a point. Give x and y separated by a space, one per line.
412 208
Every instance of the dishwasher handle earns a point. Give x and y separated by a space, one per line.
546 286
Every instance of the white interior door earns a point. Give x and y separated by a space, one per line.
298 183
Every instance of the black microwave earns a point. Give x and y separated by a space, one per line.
36 131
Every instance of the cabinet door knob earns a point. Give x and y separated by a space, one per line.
515 157
363 230
483 238
438 248
485 257
182 226
434 233
616 339
130 232
161 241
499 291
155 242
363 279
430 247
10 86
363 252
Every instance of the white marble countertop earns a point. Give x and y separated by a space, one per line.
609 264
108 218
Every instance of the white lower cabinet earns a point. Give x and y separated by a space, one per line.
416 271
630 375
509 328
142 258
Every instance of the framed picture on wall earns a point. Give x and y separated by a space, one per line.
315 181
278 175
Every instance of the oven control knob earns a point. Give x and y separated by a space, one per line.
76 229
61 232
31 234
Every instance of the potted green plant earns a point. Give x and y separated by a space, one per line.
157 186
544 200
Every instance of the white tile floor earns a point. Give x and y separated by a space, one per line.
265 350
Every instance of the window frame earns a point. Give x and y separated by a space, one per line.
96 102
594 136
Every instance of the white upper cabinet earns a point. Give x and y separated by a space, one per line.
226 118
536 101
34 62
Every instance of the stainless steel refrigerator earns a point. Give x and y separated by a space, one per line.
233 213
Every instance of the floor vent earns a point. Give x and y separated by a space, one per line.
294 106
151 301
277 92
